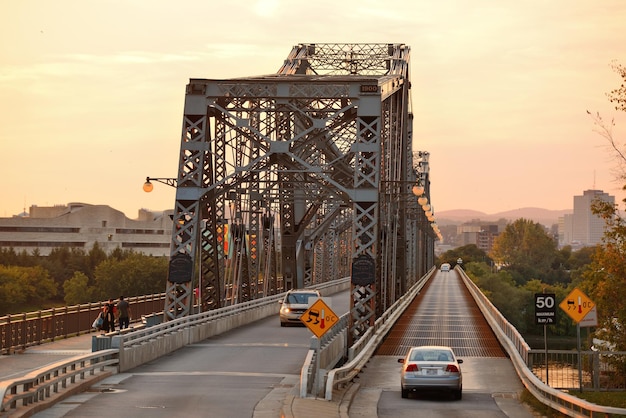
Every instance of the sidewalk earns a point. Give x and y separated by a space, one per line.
33 358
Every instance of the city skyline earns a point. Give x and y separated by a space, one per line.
92 93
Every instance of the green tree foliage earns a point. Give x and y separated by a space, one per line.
134 275
77 289
618 95
63 262
564 325
468 253
499 287
604 279
24 286
525 250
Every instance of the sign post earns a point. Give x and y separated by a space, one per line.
545 313
577 305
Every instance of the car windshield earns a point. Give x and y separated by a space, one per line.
300 297
431 355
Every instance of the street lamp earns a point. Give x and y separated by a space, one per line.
148 186
418 190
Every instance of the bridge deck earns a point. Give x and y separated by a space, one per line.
444 313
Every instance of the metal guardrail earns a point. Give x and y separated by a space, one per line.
518 351
41 385
23 330
324 352
361 351
599 370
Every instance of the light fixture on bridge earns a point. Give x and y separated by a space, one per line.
418 190
148 186
422 200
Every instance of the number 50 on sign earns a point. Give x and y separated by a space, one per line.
545 308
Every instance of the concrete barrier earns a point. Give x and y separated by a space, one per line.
158 340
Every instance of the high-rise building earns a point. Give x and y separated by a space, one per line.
583 227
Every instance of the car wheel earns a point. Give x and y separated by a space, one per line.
282 324
405 392
458 394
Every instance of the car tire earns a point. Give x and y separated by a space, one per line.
458 394
282 324
405 392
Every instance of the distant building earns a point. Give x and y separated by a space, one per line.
583 228
80 225
481 234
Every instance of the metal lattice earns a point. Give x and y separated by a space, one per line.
284 180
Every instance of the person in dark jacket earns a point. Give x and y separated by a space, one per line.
123 308
108 325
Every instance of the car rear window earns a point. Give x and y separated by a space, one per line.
431 355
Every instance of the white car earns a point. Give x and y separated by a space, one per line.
294 304
445 267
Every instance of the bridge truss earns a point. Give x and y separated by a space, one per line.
300 177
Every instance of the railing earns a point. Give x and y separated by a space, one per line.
324 353
152 342
361 351
38 387
599 370
19 331
41 385
519 352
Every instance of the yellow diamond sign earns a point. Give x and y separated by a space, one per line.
319 318
577 305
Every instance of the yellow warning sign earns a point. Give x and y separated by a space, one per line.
577 305
319 318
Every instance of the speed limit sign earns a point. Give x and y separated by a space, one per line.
545 308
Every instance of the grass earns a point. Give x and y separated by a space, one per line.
614 399
539 408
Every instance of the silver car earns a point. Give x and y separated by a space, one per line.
295 303
431 367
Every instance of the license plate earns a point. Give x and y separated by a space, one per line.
431 372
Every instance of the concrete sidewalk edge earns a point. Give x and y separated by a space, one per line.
296 407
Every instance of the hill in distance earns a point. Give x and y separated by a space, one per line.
545 217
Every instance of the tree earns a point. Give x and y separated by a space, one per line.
604 279
500 289
24 286
525 247
618 96
136 274
468 253
77 289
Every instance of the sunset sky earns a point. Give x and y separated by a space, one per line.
92 92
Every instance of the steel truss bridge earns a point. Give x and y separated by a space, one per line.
300 177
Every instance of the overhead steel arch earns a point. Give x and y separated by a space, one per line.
299 177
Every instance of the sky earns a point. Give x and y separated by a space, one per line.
92 91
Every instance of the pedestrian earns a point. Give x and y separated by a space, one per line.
108 324
123 308
97 323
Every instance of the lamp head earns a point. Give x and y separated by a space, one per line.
418 190
148 186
